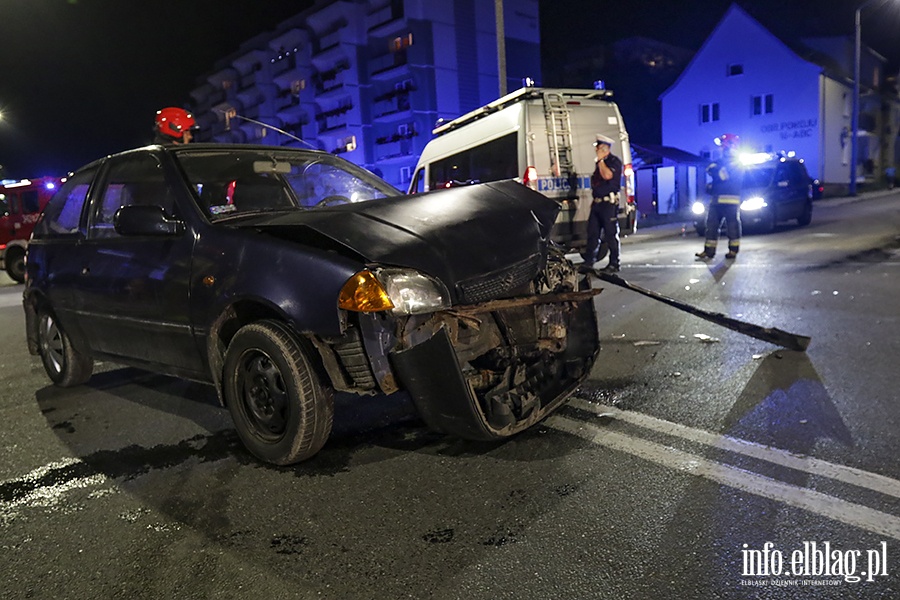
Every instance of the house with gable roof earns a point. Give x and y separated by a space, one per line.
781 96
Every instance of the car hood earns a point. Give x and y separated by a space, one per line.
480 240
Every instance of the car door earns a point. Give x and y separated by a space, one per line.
781 192
799 189
56 253
134 290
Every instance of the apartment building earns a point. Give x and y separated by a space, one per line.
367 79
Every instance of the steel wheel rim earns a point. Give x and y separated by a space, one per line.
263 396
52 343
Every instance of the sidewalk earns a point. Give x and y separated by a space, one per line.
661 226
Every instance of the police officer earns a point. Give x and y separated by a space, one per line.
173 125
725 199
605 184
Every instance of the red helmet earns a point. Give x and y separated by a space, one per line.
173 122
728 140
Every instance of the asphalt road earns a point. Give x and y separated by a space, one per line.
716 466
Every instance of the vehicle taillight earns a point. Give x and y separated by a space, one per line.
628 171
530 178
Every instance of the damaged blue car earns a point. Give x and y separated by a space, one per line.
281 275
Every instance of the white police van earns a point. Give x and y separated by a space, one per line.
543 137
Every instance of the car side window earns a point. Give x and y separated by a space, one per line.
135 179
62 217
798 175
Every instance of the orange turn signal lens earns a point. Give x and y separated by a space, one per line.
364 293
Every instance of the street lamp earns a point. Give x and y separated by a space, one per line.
854 123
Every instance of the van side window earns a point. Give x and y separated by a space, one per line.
491 161
62 216
418 182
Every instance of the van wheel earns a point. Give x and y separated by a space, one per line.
15 263
65 365
281 410
604 250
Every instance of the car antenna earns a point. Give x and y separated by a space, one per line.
232 114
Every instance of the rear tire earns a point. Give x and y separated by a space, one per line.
281 410
603 251
805 217
15 263
65 365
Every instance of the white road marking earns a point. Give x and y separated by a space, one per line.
808 464
818 503
7 300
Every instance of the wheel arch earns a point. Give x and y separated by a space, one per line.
243 312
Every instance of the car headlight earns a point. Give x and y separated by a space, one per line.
698 208
754 203
402 291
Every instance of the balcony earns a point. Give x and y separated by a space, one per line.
333 79
383 67
392 151
386 20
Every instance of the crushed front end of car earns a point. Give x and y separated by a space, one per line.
484 353
490 369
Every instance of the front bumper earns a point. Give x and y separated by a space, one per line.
489 371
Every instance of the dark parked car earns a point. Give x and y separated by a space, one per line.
281 275
774 189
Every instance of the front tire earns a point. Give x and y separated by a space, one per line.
65 365
15 263
281 410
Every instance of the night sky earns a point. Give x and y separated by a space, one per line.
83 78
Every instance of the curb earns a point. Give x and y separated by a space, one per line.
686 227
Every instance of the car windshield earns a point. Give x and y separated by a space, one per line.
231 182
758 177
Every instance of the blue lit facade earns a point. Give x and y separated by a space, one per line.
784 96
367 79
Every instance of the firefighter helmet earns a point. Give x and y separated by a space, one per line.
728 141
173 122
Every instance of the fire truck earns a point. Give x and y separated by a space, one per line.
21 203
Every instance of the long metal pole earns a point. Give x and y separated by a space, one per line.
501 46
854 123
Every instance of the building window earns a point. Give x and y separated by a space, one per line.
400 43
405 174
735 70
762 105
709 112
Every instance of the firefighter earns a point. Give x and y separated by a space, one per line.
725 199
173 125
